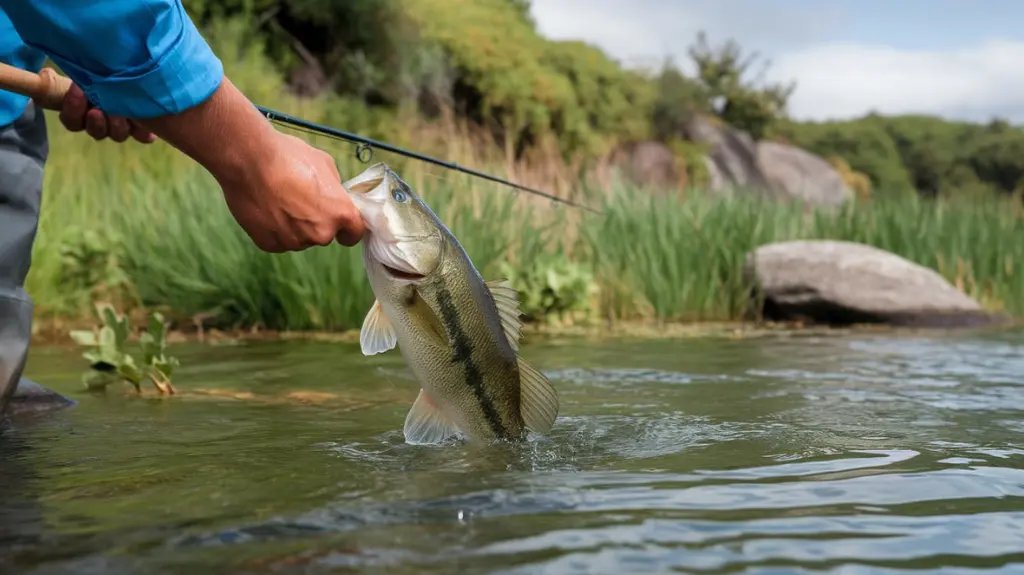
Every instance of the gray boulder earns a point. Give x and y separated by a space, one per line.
732 152
649 164
842 283
802 175
736 161
716 179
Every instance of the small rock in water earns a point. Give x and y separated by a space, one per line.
842 283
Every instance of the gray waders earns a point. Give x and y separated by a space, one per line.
23 151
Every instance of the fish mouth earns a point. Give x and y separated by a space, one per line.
402 275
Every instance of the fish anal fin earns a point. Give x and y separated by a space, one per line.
425 423
377 334
506 299
537 397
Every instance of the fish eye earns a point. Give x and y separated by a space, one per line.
399 195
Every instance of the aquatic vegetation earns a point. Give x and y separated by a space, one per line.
90 269
110 362
552 287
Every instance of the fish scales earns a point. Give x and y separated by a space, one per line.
457 332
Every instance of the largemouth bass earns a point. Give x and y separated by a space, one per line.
458 333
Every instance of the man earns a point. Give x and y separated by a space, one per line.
145 60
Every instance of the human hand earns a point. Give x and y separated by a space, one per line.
77 114
285 194
294 200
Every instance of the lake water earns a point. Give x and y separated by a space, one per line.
856 453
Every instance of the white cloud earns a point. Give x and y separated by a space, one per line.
846 80
834 80
647 30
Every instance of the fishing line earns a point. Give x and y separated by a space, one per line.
365 147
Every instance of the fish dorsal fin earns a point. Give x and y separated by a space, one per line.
506 298
377 334
425 423
538 400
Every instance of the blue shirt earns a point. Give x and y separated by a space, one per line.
132 58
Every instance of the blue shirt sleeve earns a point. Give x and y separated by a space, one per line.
132 58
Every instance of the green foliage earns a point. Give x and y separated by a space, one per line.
667 258
90 267
652 256
605 100
864 144
925 154
109 361
677 98
674 259
188 253
551 286
746 106
529 88
998 158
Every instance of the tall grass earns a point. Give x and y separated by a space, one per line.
667 258
653 256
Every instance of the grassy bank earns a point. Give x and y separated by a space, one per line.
148 227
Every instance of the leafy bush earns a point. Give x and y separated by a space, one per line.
551 287
90 268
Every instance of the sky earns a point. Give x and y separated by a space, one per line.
962 60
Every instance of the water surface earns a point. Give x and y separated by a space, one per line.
862 453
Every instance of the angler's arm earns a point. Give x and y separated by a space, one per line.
145 60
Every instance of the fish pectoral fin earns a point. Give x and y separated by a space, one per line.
424 316
378 334
537 398
506 298
425 423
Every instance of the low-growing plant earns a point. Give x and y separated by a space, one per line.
90 268
109 361
552 286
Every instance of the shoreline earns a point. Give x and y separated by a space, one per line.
55 333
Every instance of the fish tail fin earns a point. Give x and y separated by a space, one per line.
538 398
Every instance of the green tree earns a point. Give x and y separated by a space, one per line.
747 105
998 158
864 144
676 98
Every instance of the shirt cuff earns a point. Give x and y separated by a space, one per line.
185 76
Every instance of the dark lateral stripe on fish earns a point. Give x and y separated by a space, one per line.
463 353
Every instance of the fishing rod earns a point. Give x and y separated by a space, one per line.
48 88
368 144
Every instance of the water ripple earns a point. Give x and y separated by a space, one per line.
851 454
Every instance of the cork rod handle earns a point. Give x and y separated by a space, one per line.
47 87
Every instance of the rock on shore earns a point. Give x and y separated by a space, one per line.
842 283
